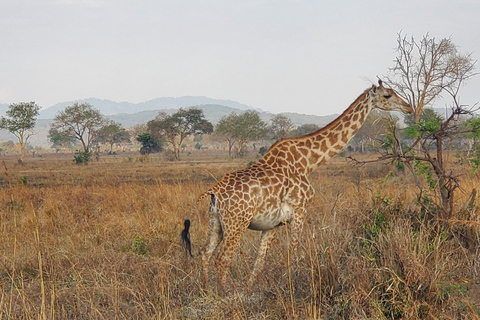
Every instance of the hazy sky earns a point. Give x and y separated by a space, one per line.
311 57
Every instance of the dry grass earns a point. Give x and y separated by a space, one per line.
102 242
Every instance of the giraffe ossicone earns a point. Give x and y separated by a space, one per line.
276 190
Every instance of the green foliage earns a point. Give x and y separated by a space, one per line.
381 216
388 143
176 127
59 140
24 180
475 162
372 230
241 129
262 150
399 165
280 126
20 117
429 124
82 157
15 206
139 246
20 120
424 168
149 144
112 133
473 126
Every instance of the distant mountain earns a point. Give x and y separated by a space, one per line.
109 107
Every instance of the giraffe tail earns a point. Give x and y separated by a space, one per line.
185 235
187 244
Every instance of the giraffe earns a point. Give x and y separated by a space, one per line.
276 189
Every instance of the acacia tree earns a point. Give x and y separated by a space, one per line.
113 132
79 121
176 127
60 141
249 127
423 72
280 126
240 129
225 129
20 120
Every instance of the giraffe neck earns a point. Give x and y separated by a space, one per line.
304 154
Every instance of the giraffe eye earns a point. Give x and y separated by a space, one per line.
388 96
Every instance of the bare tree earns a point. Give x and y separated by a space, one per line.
424 70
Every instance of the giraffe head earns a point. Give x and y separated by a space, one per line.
386 99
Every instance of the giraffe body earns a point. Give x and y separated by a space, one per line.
276 190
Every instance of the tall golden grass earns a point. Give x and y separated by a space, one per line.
102 242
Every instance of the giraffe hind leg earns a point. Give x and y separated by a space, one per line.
230 243
215 236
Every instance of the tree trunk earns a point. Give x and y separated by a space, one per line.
176 150
445 185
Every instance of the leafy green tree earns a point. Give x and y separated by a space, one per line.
240 129
280 126
225 129
473 126
149 144
80 121
112 133
176 127
60 141
249 127
20 120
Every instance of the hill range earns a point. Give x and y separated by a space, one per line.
130 114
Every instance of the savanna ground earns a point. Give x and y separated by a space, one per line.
102 242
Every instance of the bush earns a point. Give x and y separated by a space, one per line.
82 157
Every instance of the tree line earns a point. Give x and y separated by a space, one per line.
81 125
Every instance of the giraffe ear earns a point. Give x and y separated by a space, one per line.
380 83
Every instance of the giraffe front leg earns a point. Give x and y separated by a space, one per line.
265 242
296 227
